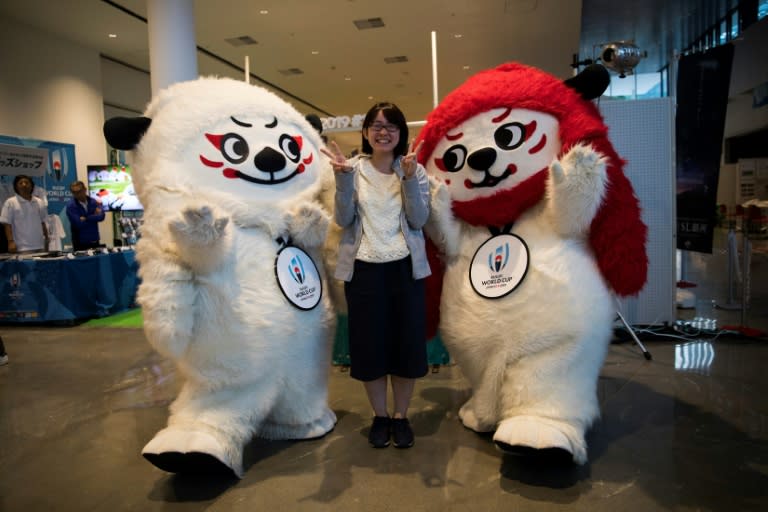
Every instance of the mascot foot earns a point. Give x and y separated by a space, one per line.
192 452
528 435
469 419
192 463
313 430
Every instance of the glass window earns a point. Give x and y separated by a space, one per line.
636 86
723 32
735 24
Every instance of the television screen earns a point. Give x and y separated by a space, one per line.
113 186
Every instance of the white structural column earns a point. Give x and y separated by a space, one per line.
172 46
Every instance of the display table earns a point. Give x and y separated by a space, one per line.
62 289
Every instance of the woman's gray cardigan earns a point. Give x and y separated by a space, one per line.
414 214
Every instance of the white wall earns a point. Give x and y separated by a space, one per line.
50 89
53 89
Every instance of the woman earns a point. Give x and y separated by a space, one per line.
382 202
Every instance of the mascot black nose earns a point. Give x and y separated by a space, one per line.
269 160
482 159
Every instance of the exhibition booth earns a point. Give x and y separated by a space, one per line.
67 288
60 285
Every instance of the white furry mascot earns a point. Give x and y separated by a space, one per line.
228 174
538 226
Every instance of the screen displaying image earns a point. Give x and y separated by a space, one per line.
113 186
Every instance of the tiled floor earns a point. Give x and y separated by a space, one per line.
687 430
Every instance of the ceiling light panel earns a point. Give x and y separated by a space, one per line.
241 41
369 23
291 71
396 59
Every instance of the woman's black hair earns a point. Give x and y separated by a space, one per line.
395 116
20 177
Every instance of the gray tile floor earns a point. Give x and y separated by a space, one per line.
687 430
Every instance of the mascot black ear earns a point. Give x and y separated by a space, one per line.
315 121
125 132
591 82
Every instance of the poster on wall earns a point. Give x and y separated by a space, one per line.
702 99
52 167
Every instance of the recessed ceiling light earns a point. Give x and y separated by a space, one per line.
263 11
347 78
241 41
457 36
112 36
465 67
315 52
369 23
370 97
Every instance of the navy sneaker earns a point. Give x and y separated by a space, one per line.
379 435
402 433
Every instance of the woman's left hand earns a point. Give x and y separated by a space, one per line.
409 163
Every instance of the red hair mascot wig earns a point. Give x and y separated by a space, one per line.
539 227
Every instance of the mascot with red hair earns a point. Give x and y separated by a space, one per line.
538 228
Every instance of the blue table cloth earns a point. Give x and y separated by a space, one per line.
61 289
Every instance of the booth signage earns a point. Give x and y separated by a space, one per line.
27 160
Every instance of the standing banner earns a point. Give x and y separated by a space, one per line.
702 99
51 178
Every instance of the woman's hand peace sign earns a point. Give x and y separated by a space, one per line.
338 160
409 163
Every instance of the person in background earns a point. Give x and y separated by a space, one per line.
381 203
3 353
84 213
23 216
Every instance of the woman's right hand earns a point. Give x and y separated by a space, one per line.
338 161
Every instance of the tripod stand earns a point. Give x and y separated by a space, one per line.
631 331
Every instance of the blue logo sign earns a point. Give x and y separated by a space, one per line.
296 269
498 259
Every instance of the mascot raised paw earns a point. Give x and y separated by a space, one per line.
231 276
541 229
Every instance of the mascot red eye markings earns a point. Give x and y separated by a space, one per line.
229 173
215 140
454 137
530 128
502 116
538 147
440 164
210 163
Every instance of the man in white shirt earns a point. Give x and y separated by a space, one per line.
23 218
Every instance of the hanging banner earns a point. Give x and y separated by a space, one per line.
702 99
15 160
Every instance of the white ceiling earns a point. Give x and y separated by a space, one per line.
542 33
492 32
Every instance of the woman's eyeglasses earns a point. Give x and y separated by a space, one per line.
391 128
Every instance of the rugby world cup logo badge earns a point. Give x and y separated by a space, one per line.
15 280
296 268
498 258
